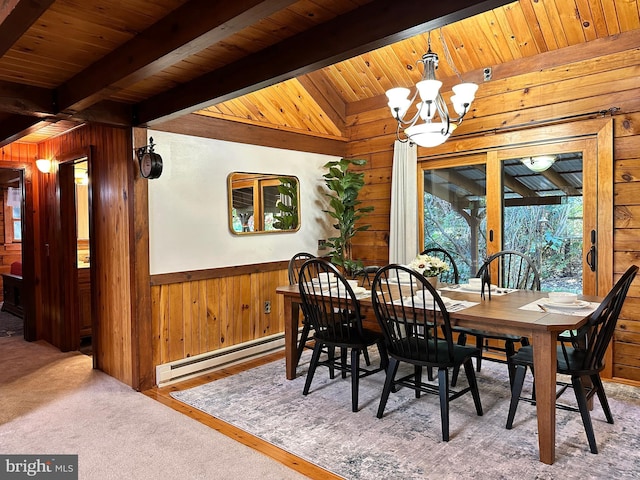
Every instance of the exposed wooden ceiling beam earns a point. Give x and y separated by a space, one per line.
17 126
26 100
209 127
326 97
368 27
191 28
16 16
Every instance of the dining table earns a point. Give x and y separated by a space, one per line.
519 312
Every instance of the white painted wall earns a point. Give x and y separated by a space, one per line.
188 222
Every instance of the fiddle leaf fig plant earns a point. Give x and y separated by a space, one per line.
344 208
287 219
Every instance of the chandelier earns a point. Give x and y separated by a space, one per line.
437 125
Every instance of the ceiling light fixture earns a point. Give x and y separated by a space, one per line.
538 164
43 165
437 124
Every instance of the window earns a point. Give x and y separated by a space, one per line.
12 216
477 205
454 210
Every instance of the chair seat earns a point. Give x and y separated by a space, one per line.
352 339
436 357
567 365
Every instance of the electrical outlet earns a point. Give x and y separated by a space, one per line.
267 306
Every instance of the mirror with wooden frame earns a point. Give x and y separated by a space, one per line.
263 203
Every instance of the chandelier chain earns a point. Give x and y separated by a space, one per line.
447 54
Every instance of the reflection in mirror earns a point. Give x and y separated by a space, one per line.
81 180
260 203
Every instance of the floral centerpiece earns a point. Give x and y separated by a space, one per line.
428 266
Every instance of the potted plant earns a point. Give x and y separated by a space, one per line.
344 208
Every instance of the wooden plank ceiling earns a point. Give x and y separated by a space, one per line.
285 64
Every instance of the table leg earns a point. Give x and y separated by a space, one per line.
291 318
545 367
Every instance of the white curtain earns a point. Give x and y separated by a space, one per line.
403 232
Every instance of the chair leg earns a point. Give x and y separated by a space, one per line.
304 337
581 398
417 372
454 376
443 389
479 346
365 354
473 383
392 369
604 403
331 354
315 357
343 361
355 378
510 350
516 391
384 356
462 340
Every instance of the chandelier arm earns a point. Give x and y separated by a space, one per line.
401 121
398 137
443 112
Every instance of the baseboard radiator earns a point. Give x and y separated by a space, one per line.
187 368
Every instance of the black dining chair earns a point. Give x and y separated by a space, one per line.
450 276
333 311
582 358
416 327
295 263
366 273
514 271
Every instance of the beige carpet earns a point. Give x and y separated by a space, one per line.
55 403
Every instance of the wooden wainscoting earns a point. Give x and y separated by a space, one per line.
205 310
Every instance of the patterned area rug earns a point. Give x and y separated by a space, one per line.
406 443
10 325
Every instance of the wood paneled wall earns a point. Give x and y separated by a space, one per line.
111 171
572 82
215 309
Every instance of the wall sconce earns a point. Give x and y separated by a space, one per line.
43 165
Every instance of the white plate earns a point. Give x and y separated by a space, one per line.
343 291
570 306
417 300
472 288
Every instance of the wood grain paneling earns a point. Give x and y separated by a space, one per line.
111 246
191 317
567 83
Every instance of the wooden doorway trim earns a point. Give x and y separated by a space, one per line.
28 247
70 328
